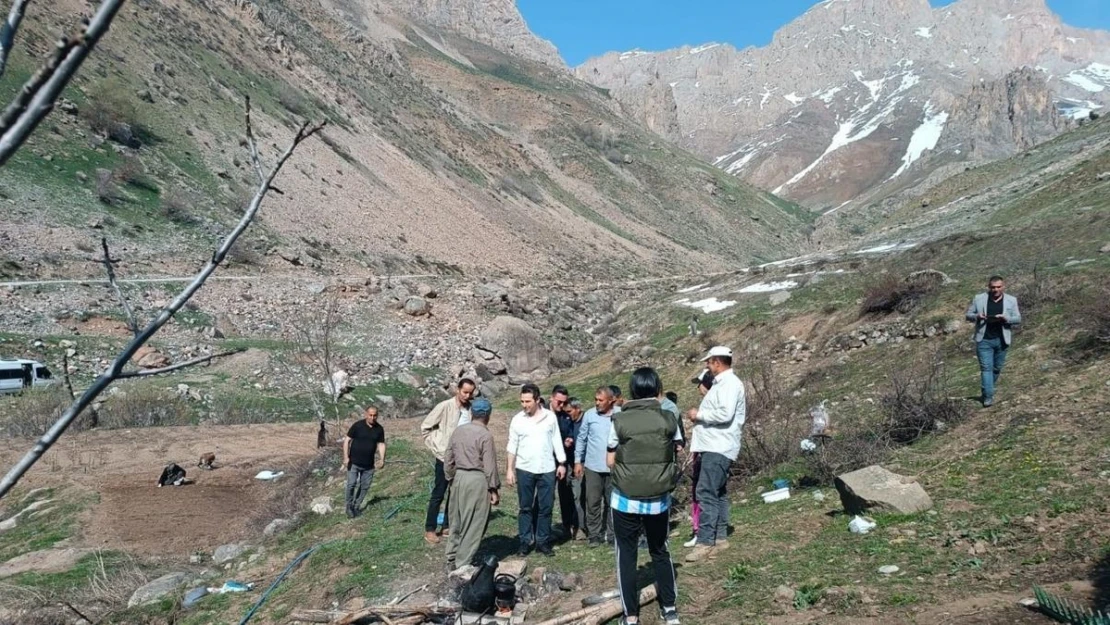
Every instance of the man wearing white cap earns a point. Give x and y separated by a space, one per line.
716 436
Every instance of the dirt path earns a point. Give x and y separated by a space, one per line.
122 468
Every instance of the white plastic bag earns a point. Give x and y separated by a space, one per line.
861 525
269 475
820 417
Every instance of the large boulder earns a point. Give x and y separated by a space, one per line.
224 553
158 588
875 488
417 306
519 346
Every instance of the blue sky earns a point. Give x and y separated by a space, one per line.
585 28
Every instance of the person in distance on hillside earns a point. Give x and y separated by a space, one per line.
437 428
365 439
718 422
536 461
641 455
994 314
589 462
470 463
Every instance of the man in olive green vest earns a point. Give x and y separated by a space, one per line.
641 454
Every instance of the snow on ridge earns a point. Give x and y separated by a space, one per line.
703 48
696 287
925 137
794 98
1009 16
632 53
925 32
827 95
768 287
738 165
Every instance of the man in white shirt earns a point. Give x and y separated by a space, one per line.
536 460
716 436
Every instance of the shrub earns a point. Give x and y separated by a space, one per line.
769 438
175 206
106 190
522 186
111 113
1038 294
1093 321
917 403
892 294
31 413
244 253
293 100
143 406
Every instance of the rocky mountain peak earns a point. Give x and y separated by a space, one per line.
855 93
497 23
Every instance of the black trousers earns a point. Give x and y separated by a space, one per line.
627 529
440 495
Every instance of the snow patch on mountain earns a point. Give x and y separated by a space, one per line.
794 98
700 49
1094 78
924 31
925 137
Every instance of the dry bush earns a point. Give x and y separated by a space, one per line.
893 294
917 403
841 455
31 413
106 190
769 437
175 206
1093 320
144 406
298 485
1038 294
111 113
293 100
596 137
244 253
522 186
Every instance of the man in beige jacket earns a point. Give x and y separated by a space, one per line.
437 429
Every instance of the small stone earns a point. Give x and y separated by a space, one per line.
889 569
1028 602
784 594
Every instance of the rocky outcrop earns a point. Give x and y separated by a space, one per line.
496 23
519 346
876 489
158 588
1001 117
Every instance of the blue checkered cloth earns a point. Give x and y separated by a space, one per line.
654 505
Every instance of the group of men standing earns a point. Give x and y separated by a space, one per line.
613 468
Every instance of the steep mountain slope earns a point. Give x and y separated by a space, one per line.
442 152
855 93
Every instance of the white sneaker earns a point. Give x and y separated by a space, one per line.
691 543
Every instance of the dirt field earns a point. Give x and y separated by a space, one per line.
122 467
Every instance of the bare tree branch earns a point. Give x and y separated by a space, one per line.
94 414
253 146
8 30
143 373
51 79
132 324
115 371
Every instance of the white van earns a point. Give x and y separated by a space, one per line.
18 374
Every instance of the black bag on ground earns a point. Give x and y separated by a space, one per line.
172 474
478 593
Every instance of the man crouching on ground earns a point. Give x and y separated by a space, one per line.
470 463
641 454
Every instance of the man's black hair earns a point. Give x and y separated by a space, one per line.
671 395
531 389
726 360
463 382
996 278
616 390
645 383
559 389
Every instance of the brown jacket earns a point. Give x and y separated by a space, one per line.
438 426
472 449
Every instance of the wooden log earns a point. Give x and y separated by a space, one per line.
597 614
397 614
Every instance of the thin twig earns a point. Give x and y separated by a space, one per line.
256 161
132 323
78 612
57 75
8 30
94 414
143 373
115 371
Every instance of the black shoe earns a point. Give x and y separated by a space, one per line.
524 550
595 543
670 616
547 551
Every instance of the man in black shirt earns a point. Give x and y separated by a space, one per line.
994 314
365 439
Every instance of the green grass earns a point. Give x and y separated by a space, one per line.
35 532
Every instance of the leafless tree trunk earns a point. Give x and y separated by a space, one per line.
313 337
115 371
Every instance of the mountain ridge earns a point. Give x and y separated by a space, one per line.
733 106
